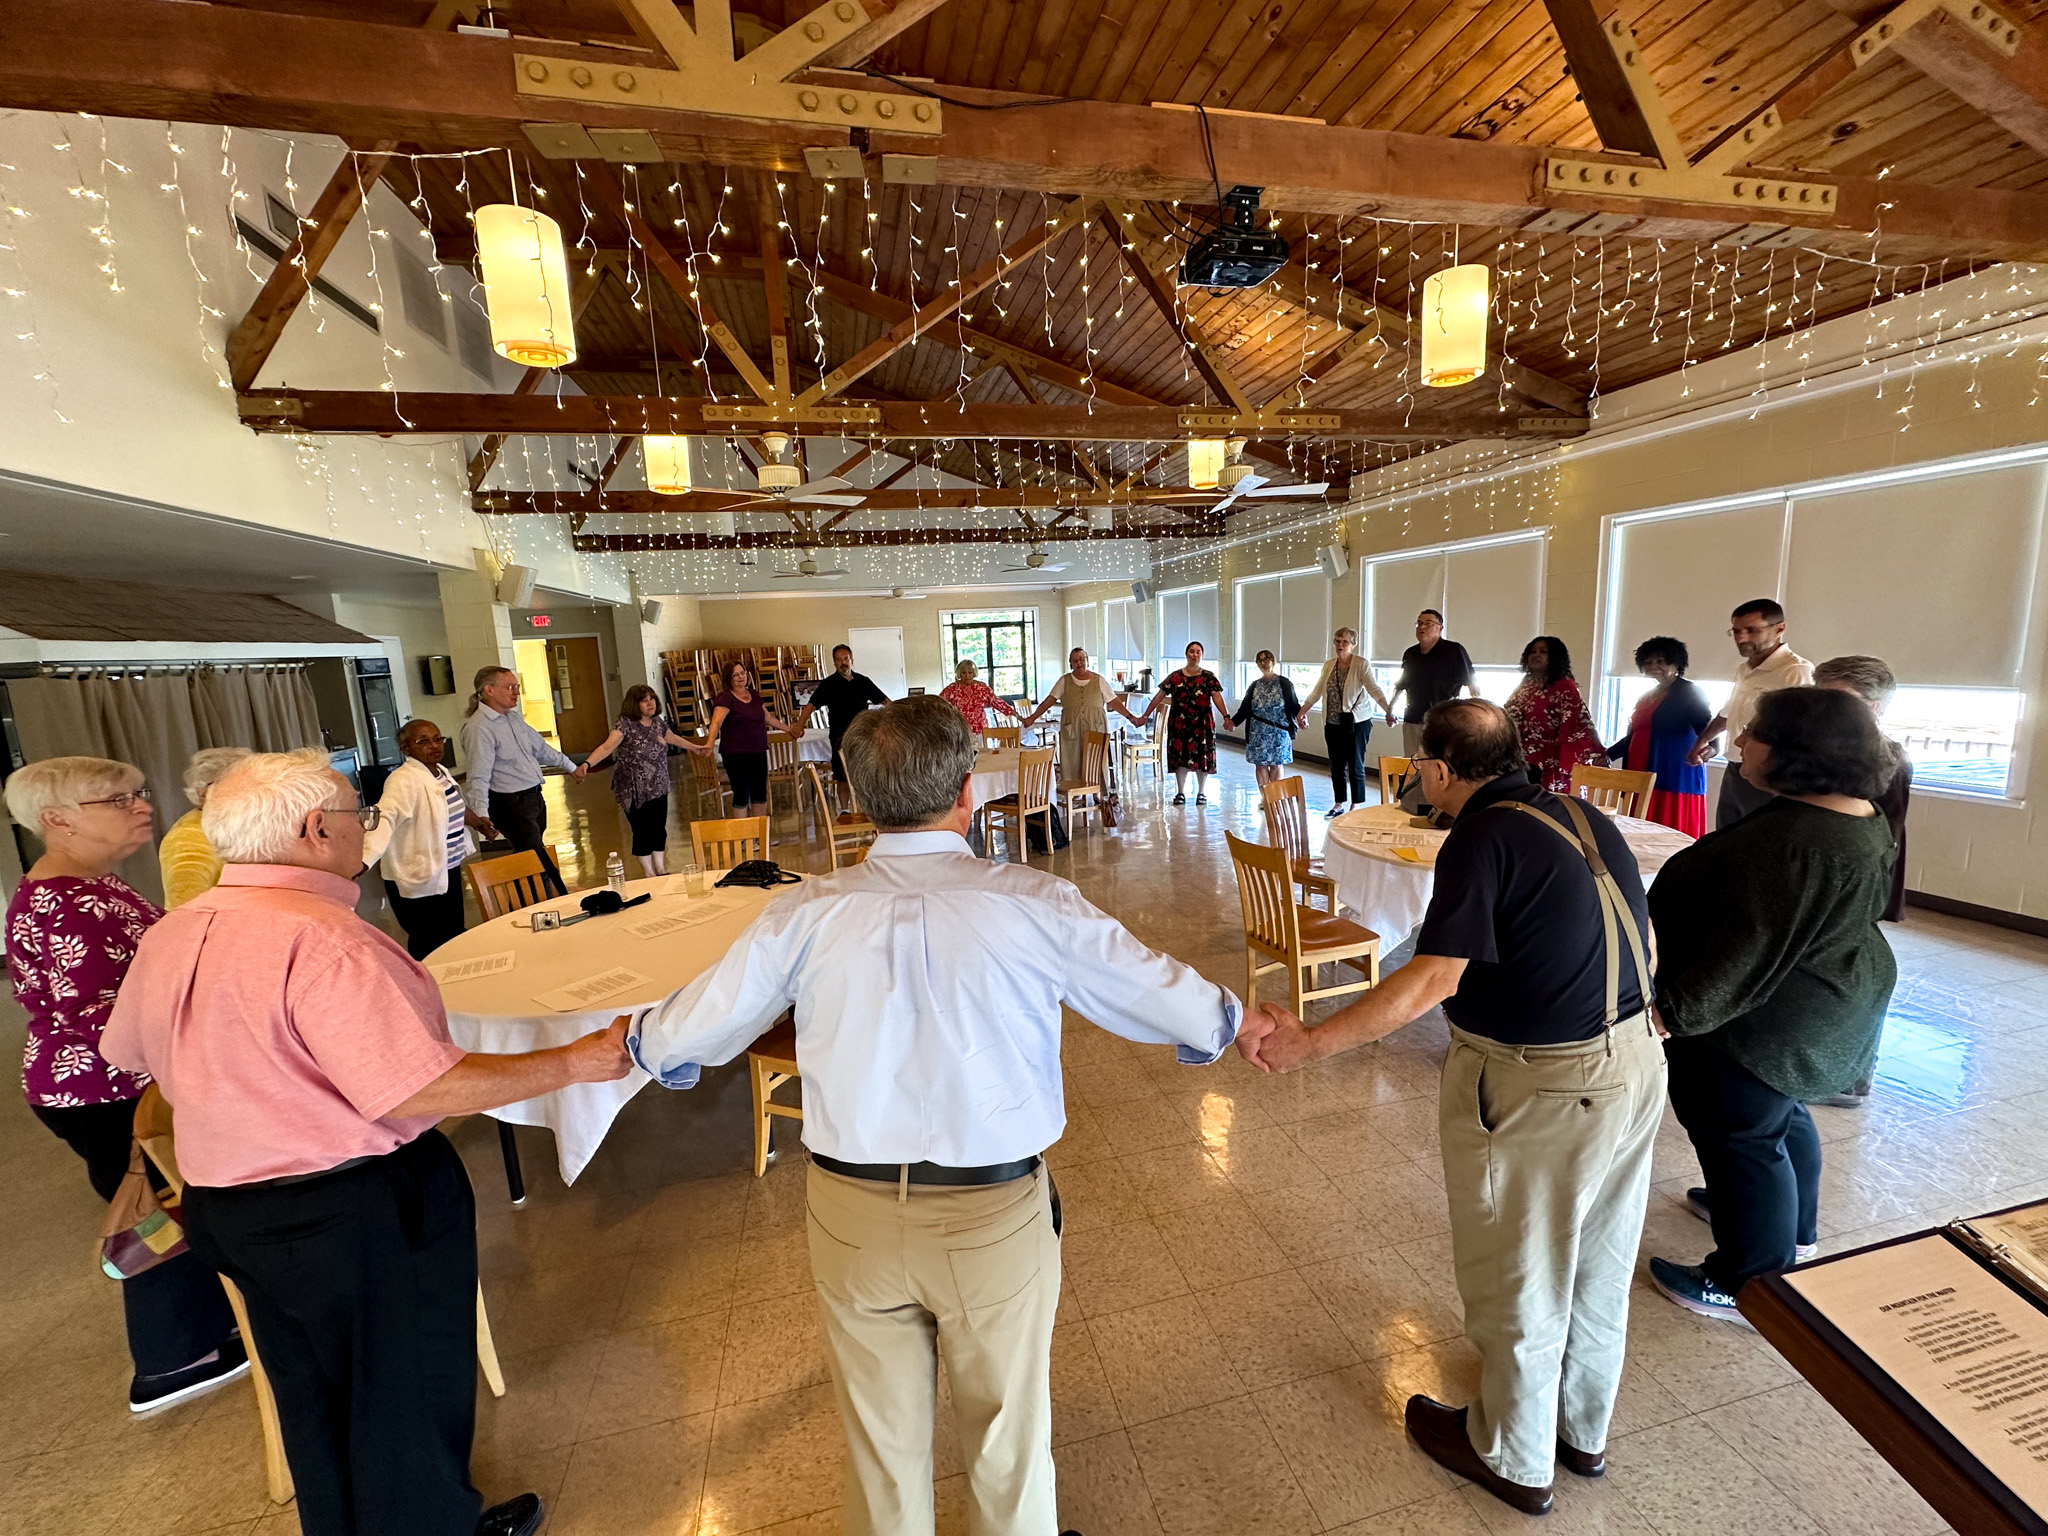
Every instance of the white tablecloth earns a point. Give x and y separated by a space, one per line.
815 746
503 1012
1388 894
995 775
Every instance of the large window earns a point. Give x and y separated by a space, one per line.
1288 614
1933 569
1084 629
1187 613
1123 641
1490 592
1002 642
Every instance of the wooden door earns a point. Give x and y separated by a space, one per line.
576 679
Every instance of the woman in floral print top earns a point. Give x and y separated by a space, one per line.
72 929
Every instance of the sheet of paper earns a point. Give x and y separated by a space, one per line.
468 970
580 996
1422 839
1968 1347
677 918
2024 1235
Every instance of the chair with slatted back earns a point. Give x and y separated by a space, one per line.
847 833
783 763
701 777
1003 738
157 1131
1616 791
1286 808
507 884
1292 937
733 840
1083 796
1033 798
1140 749
1392 768
771 1062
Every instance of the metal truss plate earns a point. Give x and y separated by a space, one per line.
731 90
770 415
1259 423
1564 173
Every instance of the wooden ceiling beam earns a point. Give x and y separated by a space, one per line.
775 284
987 498
257 335
887 538
383 413
1208 358
2010 90
887 20
1627 124
366 81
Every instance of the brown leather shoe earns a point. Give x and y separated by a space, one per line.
1440 1430
1584 1463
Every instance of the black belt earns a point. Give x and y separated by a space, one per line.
306 1178
928 1173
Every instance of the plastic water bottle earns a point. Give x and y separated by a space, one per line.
615 872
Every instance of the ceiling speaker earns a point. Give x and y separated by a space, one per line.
515 587
650 612
1141 591
1333 561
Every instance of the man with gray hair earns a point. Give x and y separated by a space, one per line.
927 986
307 1059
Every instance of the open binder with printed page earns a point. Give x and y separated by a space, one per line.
2013 1242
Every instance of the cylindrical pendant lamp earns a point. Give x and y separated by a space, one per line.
526 285
667 463
1205 462
1454 304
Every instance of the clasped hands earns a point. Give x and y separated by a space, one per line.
1272 1039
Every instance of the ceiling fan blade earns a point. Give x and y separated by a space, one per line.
829 501
828 483
1273 491
830 575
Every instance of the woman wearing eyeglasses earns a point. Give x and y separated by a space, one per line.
72 929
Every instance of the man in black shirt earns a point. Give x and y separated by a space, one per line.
1433 671
1537 945
843 696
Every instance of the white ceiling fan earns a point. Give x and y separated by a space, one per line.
782 483
1239 481
1037 560
806 570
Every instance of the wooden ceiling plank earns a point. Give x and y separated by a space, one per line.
893 538
1626 122
887 20
2013 92
1209 359
1085 72
291 279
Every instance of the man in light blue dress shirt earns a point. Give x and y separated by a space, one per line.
506 757
927 986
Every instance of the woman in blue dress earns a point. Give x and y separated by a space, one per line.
1270 715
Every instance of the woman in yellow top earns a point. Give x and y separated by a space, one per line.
190 866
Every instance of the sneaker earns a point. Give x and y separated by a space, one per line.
1696 1202
517 1516
1338 809
148 1394
1688 1285
1843 1100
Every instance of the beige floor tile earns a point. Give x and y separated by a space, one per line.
540 1472
1273 1329
696 1209
1405 1201
1266 1160
1082 1142
773 1459
646 1479
1343 1439
1214 1110
1112 1268
1083 1406
1101 1489
666 1286
1380 1302
1175 1177
1808 1451
233 1491
1219 1244
1599 1507
1311 1222
1162 1359
652 1375
1096 1195
1347 1143
1701 1362
1444 1514
65 1493
1684 1477
773 1347
1218 1471
555 1306
773 1262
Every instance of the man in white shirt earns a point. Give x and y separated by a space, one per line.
506 762
1768 664
927 987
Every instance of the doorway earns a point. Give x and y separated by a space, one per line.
878 654
576 676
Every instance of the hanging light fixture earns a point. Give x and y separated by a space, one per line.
1454 304
666 461
1205 462
526 285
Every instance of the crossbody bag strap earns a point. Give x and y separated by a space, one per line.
1614 908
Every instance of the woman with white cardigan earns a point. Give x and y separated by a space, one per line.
1345 683
428 825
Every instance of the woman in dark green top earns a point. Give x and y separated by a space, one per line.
1772 981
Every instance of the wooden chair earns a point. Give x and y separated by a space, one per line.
1083 796
771 1062
733 840
1393 768
1003 738
1294 938
782 769
1286 807
701 777
508 884
1033 798
156 1131
847 833
1615 790
1141 746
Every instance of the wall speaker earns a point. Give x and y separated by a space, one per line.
1141 592
515 587
1333 561
650 612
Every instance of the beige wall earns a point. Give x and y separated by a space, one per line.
421 631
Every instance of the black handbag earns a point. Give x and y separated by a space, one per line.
759 873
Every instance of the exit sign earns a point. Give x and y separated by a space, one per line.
539 620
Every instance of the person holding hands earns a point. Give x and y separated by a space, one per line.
1197 700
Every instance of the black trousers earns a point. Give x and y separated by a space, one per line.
362 1293
1345 739
521 818
177 1313
1761 1157
650 827
747 773
428 921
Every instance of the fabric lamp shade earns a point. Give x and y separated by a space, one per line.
1454 303
666 461
1205 462
526 285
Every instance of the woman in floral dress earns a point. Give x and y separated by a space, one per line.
640 773
1197 700
1270 715
974 698
72 929
1556 728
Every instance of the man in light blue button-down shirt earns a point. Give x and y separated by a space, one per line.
927 986
506 759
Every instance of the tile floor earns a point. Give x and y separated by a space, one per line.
1257 1275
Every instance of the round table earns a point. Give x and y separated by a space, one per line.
1389 893
510 1011
994 775
814 746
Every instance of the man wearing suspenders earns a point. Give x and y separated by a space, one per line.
1536 942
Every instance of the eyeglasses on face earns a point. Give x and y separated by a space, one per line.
369 815
122 801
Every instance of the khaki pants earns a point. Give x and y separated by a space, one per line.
1547 1163
905 1278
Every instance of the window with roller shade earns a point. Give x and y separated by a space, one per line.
1932 569
1084 628
1187 613
1490 592
1287 613
1123 640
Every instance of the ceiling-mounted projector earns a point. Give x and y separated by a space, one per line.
1236 256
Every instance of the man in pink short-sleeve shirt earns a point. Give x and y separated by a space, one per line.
306 1059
